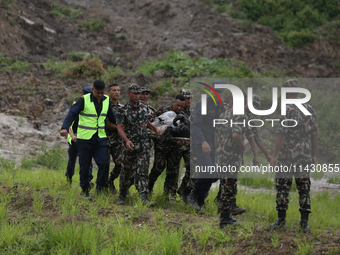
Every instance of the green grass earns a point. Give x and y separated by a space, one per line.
6 4
12 64
45 215
93 24
294 20
65 11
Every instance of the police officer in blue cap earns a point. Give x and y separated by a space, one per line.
73 148
92 110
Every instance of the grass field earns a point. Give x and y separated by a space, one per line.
41 214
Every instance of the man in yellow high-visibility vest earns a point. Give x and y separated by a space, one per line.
92 109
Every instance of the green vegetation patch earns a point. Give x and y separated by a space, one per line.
294 20
12 64
88 67
65 11
41 214
93 24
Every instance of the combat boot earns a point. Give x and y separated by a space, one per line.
68 179
146 201
122 197
193 200
184 193
235 210
85 193
111 185
281 222
227 220
304 222
151 184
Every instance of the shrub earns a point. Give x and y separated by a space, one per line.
88 67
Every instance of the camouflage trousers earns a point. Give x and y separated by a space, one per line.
228 194
188 182
228 188
303 186
168 157
135 169
115 150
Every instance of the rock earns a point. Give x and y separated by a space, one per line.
48 102
159 74
37 109
61 106
13 111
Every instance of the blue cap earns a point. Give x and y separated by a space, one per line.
218 82
87 89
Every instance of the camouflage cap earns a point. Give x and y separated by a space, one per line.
144 89
257 99
187 93
134 88
291 83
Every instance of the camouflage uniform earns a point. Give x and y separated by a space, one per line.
135 164
227 154
257 137
151 117
115 145
296 150
167 155
186 181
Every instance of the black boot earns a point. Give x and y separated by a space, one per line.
231 217
122 197
304 222
281 222
111 185
235 210
151 184
68 179
101 190
193 200
184 193
227 220
85 193
145 199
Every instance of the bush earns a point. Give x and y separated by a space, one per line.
52 159
295 20
88 67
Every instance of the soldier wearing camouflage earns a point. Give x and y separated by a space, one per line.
132 122
114 141
295 146
168 154
229 153
144 97
187 184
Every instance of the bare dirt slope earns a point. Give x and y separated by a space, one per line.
134 31
152 27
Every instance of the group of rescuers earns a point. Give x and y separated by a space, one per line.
98 125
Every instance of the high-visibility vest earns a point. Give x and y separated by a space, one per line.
89 121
